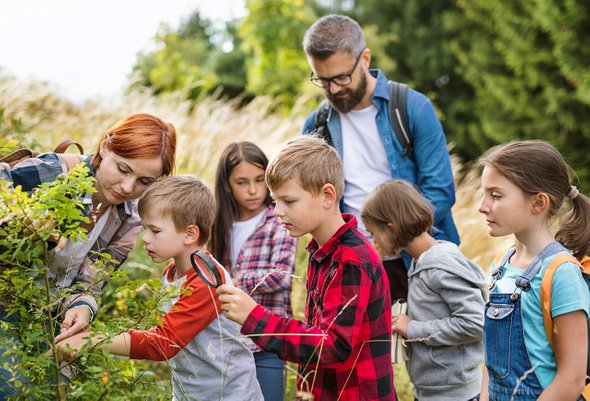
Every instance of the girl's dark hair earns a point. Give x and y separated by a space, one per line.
398 203
535 167
227 207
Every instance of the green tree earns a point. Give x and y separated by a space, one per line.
527 63
272 34
193 58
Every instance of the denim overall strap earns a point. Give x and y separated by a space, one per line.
523 282
498 271
511 375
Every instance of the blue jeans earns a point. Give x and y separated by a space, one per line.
270 375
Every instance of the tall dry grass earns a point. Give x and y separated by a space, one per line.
205 129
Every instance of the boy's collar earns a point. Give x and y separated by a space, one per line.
319 253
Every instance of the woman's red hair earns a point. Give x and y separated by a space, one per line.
140 136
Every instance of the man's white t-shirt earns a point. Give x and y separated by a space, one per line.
364 160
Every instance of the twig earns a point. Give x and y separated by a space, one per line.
520 380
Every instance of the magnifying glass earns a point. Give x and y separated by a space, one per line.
206 269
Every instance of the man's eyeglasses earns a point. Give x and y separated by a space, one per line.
340 80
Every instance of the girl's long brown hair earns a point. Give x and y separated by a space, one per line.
227 207
536 166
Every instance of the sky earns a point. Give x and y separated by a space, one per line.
86 49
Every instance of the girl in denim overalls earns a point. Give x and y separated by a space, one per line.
524 185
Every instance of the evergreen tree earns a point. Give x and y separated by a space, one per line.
527 63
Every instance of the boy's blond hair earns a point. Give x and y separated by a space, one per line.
309 160
183 198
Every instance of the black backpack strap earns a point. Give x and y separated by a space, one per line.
399 118
322 117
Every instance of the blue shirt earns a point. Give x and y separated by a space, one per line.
431 171
569 293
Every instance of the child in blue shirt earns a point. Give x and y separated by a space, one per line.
524 185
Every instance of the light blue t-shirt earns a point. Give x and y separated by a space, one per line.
569 293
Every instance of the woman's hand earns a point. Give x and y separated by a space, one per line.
76 319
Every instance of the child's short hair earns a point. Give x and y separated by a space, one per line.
399 203
185 199
311 161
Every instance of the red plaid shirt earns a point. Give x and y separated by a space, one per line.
266 262
344 347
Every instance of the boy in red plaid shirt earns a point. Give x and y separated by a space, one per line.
344 345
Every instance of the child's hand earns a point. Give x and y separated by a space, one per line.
68 348
236 304
399 324
76 320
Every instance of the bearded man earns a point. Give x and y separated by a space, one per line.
359 127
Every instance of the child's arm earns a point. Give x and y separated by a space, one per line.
344 305
465 302
484 395
277 275
69 348
570 336
192 313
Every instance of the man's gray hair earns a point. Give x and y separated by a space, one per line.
333 33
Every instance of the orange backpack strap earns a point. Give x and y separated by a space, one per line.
557 261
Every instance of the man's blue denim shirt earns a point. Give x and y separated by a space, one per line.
431 171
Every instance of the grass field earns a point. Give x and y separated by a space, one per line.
204 130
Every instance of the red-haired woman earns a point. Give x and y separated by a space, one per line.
130 156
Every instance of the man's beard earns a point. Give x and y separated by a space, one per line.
352 98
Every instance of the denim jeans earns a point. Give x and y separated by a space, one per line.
270 375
